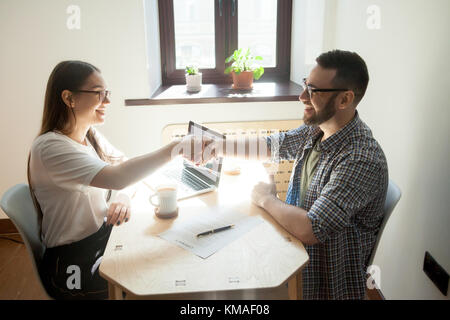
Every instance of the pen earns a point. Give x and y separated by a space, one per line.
215 230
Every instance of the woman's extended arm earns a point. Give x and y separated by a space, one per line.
131 171
135 169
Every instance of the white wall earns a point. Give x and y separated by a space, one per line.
406 106
34 38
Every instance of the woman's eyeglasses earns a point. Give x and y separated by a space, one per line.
310 90
102 95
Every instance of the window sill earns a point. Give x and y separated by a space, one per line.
221 93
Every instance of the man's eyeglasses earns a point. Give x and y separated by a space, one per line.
310 90
102 95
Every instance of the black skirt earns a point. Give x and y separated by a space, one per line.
70 272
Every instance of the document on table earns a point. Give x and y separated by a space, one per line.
184 233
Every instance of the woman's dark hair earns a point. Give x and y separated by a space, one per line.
67 75
351 71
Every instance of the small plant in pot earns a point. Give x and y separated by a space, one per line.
244 69
193 79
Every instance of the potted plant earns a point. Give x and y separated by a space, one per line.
244 69
193 79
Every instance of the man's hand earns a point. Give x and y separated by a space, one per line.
263 192
118 213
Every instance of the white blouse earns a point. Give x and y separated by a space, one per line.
61 171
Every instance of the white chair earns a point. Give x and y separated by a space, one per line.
392 197
18 206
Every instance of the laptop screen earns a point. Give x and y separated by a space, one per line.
211 170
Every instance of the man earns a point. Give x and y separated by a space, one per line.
338 187
334 203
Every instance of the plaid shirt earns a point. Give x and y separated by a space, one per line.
344 202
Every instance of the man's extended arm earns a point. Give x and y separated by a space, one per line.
250 148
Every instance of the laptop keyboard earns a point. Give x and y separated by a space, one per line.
187 179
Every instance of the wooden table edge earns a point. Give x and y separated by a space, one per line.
294 285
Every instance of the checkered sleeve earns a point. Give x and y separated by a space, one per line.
352 185
285 145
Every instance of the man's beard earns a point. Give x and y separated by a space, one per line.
323 115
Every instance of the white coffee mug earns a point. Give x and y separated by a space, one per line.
167 199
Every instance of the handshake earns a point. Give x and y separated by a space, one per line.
198 149
202 144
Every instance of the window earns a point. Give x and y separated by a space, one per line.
206 32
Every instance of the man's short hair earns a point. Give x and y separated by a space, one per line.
351 71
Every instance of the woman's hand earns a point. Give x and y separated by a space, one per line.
119 212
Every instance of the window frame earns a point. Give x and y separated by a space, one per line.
226 34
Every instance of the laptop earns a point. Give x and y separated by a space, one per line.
192 180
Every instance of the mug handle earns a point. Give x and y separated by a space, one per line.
151 198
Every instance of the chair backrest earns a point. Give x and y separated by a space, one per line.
18 206
392 197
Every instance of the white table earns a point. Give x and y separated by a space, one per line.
143 265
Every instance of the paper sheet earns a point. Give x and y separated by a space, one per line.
184 234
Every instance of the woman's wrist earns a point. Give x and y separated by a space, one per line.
123 198
173 149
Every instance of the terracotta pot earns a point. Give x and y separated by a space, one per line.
243 80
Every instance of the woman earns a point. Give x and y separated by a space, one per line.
70 168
